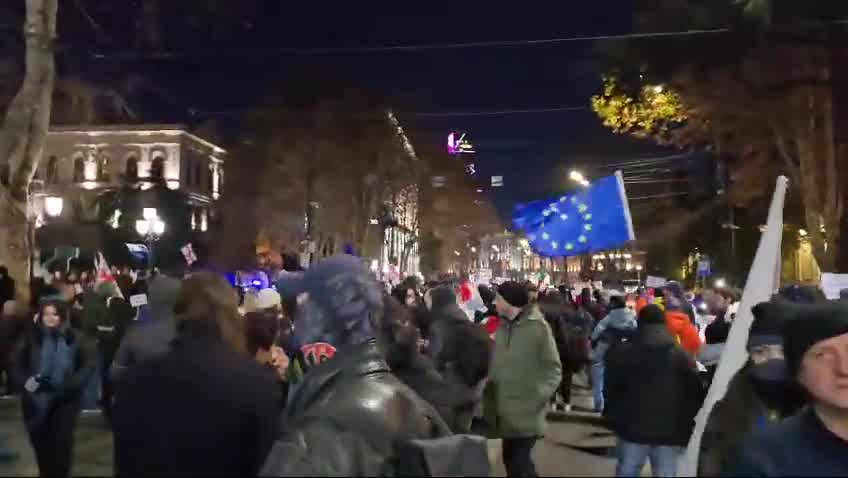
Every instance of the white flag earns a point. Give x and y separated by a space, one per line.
763 280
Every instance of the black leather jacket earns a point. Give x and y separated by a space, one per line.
346 416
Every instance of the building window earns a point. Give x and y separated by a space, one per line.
132 168
79 169
157 168
52 170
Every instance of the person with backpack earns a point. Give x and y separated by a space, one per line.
611 331
349 415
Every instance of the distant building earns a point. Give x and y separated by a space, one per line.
80 163
80 166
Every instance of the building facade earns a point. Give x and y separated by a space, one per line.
81 163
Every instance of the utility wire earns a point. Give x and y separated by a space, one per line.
265 52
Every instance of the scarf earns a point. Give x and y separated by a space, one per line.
57 356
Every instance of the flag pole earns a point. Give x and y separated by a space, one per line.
761 284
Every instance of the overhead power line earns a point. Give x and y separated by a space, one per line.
425 114
502 112
274 51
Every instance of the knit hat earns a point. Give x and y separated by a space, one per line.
514 293
811 325
651 315
770 319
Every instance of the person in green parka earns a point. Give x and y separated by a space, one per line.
525 374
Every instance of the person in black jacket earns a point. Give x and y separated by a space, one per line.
814 441
204 407
456 345
7 286
53 362
652 393
453 400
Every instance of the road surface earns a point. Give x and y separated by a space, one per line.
575 445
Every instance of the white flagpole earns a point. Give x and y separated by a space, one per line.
761 284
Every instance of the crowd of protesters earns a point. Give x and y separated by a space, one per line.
329 373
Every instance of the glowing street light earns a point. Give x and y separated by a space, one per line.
53 206
720 283
576 176
151 228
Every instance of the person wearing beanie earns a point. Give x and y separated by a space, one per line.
759 394
680 318
652 392
525 374
813 441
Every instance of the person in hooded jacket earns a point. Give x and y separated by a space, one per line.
452 399
615 328
348 388
652 393
759 394
457 346
111 326
53 362
153 337
678 319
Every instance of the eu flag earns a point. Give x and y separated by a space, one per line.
592 219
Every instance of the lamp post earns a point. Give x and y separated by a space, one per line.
151 228
639 273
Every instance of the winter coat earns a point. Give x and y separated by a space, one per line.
618 323
798 446
525 373
198 410
26 363
347 416
652 389
452 399
152 338
683 330
457 345
734 419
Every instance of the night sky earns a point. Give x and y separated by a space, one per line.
524 148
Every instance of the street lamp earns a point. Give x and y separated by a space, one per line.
53 206
151 228
639 273
578 177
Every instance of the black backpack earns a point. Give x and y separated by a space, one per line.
476 349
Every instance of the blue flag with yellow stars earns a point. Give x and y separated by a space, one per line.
594 218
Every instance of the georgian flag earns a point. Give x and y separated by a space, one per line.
104 273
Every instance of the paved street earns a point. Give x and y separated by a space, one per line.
575 445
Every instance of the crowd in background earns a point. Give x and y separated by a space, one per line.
204 378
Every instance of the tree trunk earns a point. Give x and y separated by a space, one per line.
22 139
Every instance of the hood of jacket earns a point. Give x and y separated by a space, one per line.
622 318
677 320
162 295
